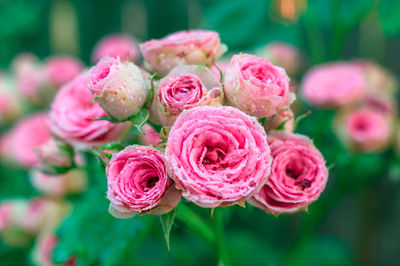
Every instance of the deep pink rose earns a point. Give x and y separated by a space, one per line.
74 181
61 69
218 156
185 87
28 135
118 87
255 86
149 136
334 85
196 47
365 129
298 174
138 183
282 54
71 113
119 46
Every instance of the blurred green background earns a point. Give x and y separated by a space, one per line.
356 221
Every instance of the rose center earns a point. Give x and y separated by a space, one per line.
295 170
150 182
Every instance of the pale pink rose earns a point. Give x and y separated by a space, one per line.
218 156
5 146
334 85
11 217
74 181
119 46
44 215
196 47
380 81
138 183
185 87
118 87
284 116
149 136
298 174
43 251
5 214
28 135
10 103
55 156
255 86
61 69
365 129
71 115
385 105
282 54
23 63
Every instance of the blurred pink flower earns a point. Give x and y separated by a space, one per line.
119 46
59 70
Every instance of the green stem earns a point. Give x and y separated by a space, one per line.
223 254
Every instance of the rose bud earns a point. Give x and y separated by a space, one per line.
334 85
185 87
379 80
44 215
61 69
364 129
138 183
72 182
42 254
196 47
28 135
284 116
72 113
119 88
255 86
119 46
217 156
282 54
298 174
10 104
149 136
55 157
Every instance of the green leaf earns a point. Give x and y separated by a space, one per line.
301 117
140 118
167 220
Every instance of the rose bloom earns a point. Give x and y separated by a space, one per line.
218 156
23 63
10 104
119 88
71 113
119 46
62 69
255 86
184 88
298 174
334 85
196 47
284 116
282 54
74 181
149 136
11 217
29 134
365 129
138 183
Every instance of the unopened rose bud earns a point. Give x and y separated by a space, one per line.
196 47
185 87
55 157
119 87
283 117
256 86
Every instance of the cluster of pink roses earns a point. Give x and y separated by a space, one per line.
364 95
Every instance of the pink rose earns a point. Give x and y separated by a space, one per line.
28 135
72 182
184 88
255 86
149 136
119 46
196 47
5 214
119 88
71 115
334 85
10 104
5 146
23 63
55 156
298 174
218 156
365 129
138 183
11 217
284 116
282 54
61 69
